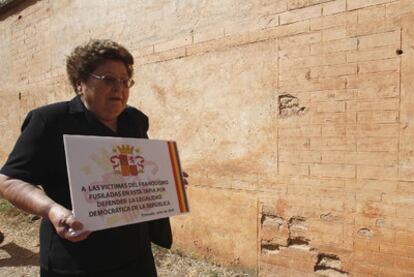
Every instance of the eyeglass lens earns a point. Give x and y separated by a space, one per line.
112 81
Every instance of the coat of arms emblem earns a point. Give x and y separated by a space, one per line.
127 161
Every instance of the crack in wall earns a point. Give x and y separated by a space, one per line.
289 106
329 217
295 238
329 265
365 232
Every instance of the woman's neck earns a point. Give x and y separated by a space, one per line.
111 124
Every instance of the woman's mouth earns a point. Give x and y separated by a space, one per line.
115 98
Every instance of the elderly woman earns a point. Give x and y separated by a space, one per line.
100 73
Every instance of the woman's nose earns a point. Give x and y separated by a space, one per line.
117 86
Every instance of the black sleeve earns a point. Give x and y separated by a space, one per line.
136 120
160 232
25 160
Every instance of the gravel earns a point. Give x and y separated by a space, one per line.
19 252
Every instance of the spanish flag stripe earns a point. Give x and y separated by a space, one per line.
176 178
183 195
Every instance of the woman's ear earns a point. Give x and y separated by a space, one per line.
79 88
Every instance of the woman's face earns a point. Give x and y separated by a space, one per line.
103 94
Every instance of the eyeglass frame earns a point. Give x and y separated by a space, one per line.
126 83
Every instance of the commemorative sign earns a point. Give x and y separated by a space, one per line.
117 181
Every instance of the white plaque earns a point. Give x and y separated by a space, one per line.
117 181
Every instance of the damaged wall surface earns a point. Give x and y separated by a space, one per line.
294 119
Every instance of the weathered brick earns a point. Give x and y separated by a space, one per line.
285 168
376 210
357 4
332 170
378 116
374 258
367 158
300 39
405 187
376 185
273 270
316 228
331 21
362 269
383 105
288 30
377 66
331 118
301 131
271 6
393 272
378 53
371 14
332 204
406 198
405 263
377 134
377 172
378 85
334 7
372 20
404 225
383 39
287 261
143 51
334 95
364 245
328 83
163 56
206 46
334 34
333 130
404 238
394 9
333 143
300 14
405 211
334 46
330 107
382 234
207 34
333 70
299 156
296 51
315 60
297 4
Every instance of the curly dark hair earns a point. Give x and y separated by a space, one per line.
84 59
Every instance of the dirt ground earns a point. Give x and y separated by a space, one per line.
19 252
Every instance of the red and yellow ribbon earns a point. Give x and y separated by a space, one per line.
178 178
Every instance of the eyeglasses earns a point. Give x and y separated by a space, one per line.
113 81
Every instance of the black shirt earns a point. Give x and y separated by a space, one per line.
38 158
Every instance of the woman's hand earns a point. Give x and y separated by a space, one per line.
66 225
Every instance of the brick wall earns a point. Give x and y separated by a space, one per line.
293 117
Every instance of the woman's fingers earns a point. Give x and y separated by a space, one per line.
76 235
185 175
73 223
73 229
66 225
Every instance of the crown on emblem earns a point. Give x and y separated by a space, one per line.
125 149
